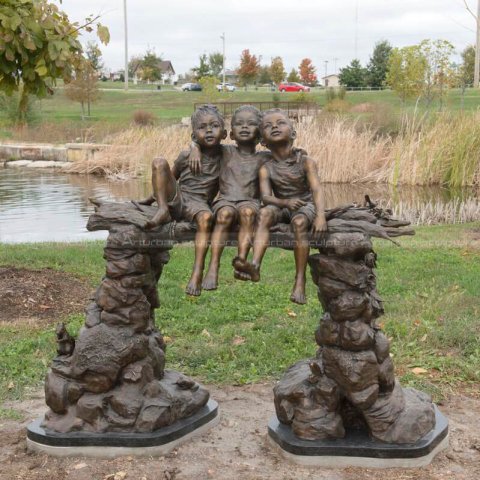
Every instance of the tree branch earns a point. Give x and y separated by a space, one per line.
469 10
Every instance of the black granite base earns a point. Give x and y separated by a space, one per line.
118 439
357 443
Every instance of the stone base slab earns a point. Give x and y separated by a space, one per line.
357 449
115 444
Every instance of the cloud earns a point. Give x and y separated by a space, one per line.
183 30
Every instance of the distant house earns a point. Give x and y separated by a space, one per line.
231 76
117 75
167 70
332 80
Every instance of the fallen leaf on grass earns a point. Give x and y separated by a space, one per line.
167 339
238 341
419 371
423 338
291 313
205 333
11 385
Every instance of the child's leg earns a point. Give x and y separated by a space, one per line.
204 220
247 217
300 251
164 189
266 219
223 222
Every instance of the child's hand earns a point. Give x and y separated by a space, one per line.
319 226
295 203
194 159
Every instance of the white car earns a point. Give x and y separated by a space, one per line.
226 86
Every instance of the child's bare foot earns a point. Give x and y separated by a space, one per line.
245 277
162 216
298 295
210 282
194 287
249 268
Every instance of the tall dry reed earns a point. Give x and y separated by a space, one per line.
427 150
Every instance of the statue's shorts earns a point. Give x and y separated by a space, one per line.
237 206
185 206
284 215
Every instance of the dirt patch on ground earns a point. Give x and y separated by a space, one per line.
236 448
46 295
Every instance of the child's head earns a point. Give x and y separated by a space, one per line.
208 126
246 125
276 128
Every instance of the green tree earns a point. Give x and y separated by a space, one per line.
134 65
150 70
353 75
406 72
277 70
203 70
264 75
378 65
94 56
215 64
468 66
293 76
439 74
39 44
307 72
84 87
248 69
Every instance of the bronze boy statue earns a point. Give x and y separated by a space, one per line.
181 195
239 196
291 191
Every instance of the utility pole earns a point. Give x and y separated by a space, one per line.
126 42
326 69
476 79
223 67
356 29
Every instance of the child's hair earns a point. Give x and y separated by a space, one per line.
278 110
248 108
206 110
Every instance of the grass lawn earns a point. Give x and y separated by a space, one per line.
251 332
115 107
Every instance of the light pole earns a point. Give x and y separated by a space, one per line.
476 79
223 66
126 42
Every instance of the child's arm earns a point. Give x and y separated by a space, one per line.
194 158
267 196
320 223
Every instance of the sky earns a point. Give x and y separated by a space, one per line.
325 31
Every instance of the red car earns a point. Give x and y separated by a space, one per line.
292 87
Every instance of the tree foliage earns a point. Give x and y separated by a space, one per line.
406 72
293 76
249 68
264 75
215 63
378 65
467 69
307 72
277 70
150 69
94 56
353 75
39 44
84 86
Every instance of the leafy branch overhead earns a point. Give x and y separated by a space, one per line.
39 44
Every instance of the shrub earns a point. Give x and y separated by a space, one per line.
142 118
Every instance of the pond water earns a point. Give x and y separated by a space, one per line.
41 205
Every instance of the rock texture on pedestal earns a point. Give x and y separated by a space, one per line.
112 378
350 384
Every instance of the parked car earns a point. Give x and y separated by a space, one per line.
293 87
191 87
226 86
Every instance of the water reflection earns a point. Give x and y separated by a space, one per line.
39 205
